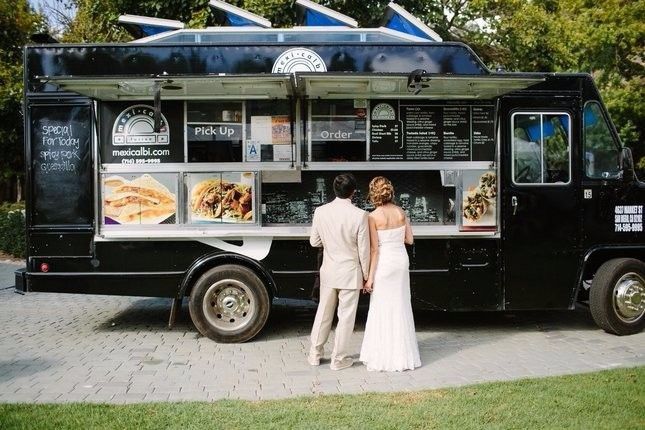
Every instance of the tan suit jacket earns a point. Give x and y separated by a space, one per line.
342 230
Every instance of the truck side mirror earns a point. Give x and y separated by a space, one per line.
627 164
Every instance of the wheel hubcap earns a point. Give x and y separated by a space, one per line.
629 297
228 305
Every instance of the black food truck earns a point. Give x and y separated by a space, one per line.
188 164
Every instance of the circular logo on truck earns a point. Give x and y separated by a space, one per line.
135 126
383 112
299 60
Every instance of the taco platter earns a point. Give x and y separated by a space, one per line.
478 205
217 200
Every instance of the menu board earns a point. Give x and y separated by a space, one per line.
422 127
424 132
61 162
483 133
456 133
135 199
386 142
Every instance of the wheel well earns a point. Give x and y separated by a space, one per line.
206 263
597 257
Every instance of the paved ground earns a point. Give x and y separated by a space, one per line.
61 348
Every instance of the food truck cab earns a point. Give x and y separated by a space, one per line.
189 164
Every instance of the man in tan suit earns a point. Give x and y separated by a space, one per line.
342 230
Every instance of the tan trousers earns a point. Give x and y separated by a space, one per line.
347 301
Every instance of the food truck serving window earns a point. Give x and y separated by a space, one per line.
268 131
214 131
601 152
236 131
337 130
541 148
391 130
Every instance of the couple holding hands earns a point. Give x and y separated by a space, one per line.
365 252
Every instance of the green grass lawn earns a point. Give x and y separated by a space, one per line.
612 399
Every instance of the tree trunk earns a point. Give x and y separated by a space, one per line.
18 190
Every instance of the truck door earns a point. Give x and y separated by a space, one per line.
540 201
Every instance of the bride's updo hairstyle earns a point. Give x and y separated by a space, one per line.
381 191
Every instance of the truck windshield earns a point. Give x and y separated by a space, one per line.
601 152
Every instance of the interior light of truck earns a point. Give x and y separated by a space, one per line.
44 267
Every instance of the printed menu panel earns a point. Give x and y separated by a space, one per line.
139 198
422 127
386 142
456 133
414 131
221 197
483 133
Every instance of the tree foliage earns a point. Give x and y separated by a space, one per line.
604 38
17 22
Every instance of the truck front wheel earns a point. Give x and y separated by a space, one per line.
229 304
617 297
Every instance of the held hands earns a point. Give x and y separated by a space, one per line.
368 287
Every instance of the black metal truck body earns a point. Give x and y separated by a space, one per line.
549 240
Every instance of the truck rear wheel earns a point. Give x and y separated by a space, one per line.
229 304
617 296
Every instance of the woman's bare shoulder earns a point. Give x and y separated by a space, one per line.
376 214
377 217
400 213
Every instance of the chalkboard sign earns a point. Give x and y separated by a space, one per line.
61 164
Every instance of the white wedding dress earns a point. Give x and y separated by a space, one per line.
390 342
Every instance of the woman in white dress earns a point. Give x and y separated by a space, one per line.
390 342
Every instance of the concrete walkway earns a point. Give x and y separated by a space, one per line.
6 272
64 348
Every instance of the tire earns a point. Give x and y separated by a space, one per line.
617 296
229 304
